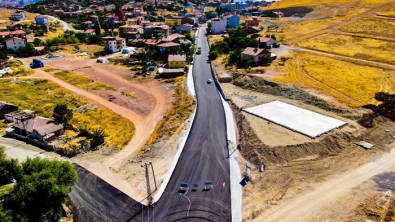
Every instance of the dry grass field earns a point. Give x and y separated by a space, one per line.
42 96
372 26
387 12
365 48
331 3
82 81
352 84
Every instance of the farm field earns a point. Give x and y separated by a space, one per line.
42 96
350 83
364 48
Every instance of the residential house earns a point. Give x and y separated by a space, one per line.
133 35
174 20
39 128
157 29
6 108
145 23
232 21
41 20
130 28
184 28
58 11
114 43
15 27
148 43
14 43
94 18
120 14
233 6
5 34
252 22
173 38
88 24
218 26
167 45
250 29
267 43
18 16
18 115
254 55
189 20
176 61
18 33
89 32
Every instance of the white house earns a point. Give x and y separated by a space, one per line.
15 43
184 28
115 43
218 26
19 16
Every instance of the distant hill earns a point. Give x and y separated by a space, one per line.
329 3
17 2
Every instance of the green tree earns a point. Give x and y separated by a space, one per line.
273 36
97 28
37 41
62 114
41 188
282 37
105 26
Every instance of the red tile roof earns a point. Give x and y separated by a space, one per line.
89 31
14 38
255 51
41 124
168 44
177 58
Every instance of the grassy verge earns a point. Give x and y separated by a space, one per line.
353 84
82 81
18 69
176 116
50 69
373 26
365 48
42 96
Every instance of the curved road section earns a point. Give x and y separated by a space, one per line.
199 189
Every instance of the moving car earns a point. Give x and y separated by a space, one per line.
209 81
199 51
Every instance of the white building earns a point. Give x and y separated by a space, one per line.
19 16
218 26
115 43
15 43
184 28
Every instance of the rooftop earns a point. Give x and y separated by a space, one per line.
177 58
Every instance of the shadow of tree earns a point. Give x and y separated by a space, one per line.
385 181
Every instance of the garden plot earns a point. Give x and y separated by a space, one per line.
303 121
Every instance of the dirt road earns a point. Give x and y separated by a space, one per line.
311 205
144 127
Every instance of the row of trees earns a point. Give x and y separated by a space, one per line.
41 186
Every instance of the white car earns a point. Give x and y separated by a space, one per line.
209 81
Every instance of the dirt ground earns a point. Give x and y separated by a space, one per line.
299 169
152 100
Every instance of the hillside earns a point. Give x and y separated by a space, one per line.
329 3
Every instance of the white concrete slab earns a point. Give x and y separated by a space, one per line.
306 122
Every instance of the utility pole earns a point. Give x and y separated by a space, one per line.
148 184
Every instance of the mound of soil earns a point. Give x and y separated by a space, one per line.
385 109
272 88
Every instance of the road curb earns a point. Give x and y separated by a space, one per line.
236 194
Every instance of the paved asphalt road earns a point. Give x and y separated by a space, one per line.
203 159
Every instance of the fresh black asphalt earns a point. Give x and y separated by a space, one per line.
204 158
